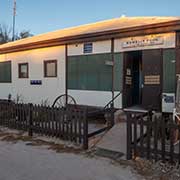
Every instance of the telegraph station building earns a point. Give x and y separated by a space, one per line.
133 60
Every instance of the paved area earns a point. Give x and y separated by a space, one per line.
115 139
18 161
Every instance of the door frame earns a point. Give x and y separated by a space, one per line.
161 75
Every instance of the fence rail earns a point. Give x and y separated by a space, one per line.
153 138
68 124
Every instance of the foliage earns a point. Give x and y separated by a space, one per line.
6 34
23 34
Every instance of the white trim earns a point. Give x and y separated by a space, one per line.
99 47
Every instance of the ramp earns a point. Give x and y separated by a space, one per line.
114 140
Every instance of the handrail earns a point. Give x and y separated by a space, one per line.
112 100
105 107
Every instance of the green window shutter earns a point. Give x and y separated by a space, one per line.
118 71
169 70
90 72
72 73
5 72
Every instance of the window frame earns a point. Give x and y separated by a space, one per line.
45 68
87 43
19 70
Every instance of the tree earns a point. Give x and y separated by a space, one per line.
24 34
5 34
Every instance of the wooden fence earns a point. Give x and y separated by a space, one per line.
153 138
68 124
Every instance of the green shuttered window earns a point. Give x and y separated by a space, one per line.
90 72
169 70
5 72
118 71
94 72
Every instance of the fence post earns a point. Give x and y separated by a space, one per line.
30 129
112 114
85 130
129 152
163 143
110 117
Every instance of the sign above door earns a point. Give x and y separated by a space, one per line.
146 41
153 41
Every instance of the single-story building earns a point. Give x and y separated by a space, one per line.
136 58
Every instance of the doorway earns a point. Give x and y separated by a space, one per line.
142 79
132 78
137 78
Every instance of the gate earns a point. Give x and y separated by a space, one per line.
153 138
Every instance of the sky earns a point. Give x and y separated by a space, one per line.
40 16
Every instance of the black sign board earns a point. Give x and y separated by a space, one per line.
36 82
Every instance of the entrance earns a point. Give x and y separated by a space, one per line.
142 79
132 78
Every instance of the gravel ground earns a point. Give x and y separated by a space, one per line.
42 158
28 160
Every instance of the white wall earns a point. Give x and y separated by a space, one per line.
95 98
98 47
50 88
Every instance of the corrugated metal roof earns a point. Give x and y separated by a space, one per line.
113 24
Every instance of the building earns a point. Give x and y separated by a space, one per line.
137 56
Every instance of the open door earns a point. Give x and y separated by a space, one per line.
152 68
127 80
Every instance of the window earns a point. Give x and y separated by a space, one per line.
5 72
23 70
50 68
88 48
90 72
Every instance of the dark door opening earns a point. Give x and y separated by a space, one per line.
137 78
142 79
132 78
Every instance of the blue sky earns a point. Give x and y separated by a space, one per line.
40 16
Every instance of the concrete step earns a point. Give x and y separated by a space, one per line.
108 153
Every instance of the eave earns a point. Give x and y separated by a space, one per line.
171 26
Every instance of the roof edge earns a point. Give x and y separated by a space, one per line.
125 32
